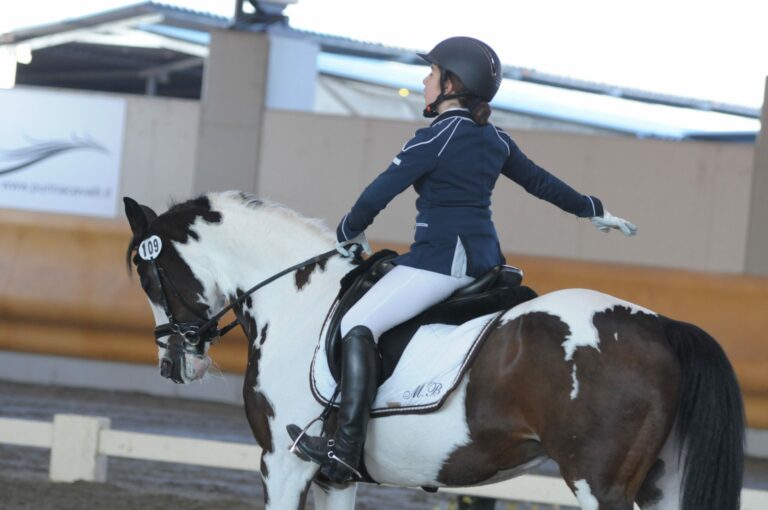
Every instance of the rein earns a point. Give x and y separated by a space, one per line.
194 333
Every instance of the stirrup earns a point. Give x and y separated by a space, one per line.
335 458
323 416
294 446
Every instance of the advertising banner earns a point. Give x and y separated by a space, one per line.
60 151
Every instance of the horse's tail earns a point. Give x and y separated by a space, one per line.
710 420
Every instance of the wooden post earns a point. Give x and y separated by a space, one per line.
75 450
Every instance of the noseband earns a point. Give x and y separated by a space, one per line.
197 334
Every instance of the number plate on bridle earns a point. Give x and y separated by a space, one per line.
150 248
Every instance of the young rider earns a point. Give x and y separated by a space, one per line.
453 165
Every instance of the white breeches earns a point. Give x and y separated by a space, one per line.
401 294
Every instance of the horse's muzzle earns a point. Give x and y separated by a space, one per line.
180 366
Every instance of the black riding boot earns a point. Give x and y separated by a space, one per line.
360 367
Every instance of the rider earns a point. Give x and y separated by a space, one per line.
453 165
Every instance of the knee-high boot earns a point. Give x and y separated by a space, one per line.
360 368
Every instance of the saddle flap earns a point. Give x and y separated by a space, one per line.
353 286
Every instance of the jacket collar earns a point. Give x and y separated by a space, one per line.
453 112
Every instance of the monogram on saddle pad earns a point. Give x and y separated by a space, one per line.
424 358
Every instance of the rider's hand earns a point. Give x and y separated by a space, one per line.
347 251
608 221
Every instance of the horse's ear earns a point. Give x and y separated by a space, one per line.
138 216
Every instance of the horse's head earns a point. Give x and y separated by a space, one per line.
180 303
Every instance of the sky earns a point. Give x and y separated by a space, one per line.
707 49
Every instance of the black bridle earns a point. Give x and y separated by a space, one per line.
196 334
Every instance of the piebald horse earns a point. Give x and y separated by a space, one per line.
632 406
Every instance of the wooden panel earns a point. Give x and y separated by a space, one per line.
64 290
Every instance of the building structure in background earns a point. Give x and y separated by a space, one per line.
156 49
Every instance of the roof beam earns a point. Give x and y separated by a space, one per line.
76 33
141 39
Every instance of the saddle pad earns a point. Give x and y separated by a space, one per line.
431 366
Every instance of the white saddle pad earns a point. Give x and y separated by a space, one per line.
431 366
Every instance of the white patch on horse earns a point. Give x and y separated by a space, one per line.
576 308
584 495
616 336
425 440
575 387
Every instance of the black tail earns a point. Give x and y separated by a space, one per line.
710 420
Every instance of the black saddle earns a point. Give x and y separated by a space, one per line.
498 289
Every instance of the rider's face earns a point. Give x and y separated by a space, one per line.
431 85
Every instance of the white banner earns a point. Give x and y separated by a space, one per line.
60 151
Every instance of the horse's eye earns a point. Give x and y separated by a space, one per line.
144 283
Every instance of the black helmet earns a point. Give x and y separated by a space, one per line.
474 62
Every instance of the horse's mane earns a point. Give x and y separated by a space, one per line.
251 201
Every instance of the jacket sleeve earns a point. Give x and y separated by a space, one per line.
417 158
542 184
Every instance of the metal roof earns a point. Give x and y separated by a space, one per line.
159 48
602 111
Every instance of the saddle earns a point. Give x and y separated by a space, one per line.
498 289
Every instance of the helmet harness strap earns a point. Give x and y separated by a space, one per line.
430 110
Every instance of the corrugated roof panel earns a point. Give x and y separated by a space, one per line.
641 118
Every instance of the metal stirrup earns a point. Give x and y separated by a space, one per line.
333 456
323 416
295 444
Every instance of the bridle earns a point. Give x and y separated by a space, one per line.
197 334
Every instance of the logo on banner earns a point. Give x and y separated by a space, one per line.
18 159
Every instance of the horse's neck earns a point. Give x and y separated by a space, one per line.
254 244
289 311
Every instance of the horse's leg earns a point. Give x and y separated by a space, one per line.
661 488
331 498
286 480
607 470
610 454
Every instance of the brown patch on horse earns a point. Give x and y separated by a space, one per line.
264 475
501 427
258 410
303 274
612 431
634 380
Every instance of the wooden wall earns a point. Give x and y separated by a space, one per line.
65 290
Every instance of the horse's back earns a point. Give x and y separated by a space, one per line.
584 330
571 302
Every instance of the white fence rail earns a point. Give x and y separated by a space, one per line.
80 445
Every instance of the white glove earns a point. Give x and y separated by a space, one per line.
346 249
608 221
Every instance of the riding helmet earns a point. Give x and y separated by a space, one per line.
474 62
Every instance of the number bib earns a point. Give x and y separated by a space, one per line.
149 249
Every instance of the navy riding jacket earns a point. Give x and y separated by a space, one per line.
453 165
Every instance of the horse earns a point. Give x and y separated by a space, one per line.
634 407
